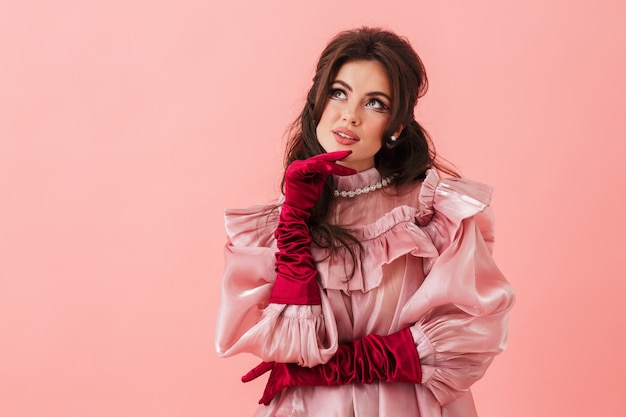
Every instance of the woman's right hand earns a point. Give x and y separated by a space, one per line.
304 179
295 268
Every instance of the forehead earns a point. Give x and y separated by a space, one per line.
365 76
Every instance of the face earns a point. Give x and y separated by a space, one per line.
357 113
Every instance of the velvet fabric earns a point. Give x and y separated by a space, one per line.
391 358
295 269
426 265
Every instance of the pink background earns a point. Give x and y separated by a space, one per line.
127 127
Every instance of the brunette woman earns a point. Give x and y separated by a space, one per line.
370 290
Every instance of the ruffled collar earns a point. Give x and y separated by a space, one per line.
358 180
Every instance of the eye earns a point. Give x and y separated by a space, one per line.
377 104
337 94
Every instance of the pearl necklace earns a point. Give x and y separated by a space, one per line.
364 190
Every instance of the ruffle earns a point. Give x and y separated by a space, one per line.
454 198
302 334
358 180
297 333
455 350
251 226
403 231
392 236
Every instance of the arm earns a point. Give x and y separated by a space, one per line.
296 274
391 358
271 302
459 316
246 321
466 326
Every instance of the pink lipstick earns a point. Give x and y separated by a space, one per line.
345 136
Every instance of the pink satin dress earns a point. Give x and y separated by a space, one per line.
426 265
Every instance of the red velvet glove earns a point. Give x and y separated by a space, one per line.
391 358
295 269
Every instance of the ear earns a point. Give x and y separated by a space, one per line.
398 131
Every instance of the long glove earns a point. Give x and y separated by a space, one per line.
391 358
295 269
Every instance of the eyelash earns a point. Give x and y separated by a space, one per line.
333 93
383 106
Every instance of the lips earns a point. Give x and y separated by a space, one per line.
345 136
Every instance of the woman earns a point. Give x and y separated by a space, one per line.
370 290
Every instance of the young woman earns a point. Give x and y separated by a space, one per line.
370 289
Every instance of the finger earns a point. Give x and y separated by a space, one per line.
331 156
327 167
324 163
341 170
266 399
257 371
271 390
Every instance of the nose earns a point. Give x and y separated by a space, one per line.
350 115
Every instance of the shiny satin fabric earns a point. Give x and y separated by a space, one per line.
427 265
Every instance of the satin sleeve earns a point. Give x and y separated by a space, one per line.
459 316
305 334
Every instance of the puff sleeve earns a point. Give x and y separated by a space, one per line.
458 317
306 335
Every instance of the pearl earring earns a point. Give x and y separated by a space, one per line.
393 138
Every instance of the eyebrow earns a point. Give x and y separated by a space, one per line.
370 94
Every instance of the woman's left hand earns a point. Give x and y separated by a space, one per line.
276 382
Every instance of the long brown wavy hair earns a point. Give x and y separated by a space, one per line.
411 155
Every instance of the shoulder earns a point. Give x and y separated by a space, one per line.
455 198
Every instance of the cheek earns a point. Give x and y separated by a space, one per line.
329 114
379 127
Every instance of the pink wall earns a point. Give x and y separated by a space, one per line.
127 127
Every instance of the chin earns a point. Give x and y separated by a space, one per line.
344 162
332 147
